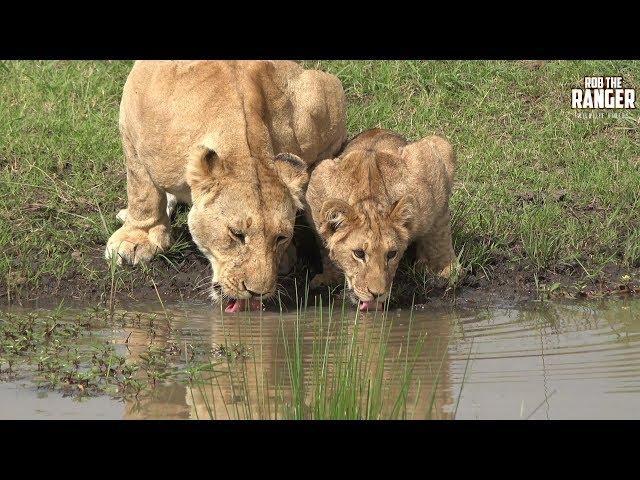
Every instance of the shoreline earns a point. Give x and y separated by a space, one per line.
189 282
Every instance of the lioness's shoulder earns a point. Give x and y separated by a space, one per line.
376 139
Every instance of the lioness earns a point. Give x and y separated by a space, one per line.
233 138
371 202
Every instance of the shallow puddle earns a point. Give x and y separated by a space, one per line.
544 361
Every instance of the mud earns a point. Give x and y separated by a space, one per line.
186 276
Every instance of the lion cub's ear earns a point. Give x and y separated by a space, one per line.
200 168
334 214
401 213
293 172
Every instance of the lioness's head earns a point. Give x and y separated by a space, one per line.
366 241
242 219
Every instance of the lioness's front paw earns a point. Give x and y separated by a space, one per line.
134 246
122 215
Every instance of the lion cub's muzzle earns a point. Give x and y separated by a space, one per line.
366 299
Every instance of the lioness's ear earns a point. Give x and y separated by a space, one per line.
293 172
401 212
334 214
201 165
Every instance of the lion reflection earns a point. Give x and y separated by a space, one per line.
259 384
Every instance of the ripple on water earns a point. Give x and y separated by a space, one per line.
543 361
566 361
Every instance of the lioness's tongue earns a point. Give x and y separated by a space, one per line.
369 305
234 306
239 305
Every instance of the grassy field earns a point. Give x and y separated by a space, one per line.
537 191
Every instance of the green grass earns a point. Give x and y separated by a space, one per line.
336 367
58 351
518 144
61 167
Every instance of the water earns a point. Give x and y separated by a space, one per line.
542 361
21 400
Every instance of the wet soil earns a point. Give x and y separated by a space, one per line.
186 276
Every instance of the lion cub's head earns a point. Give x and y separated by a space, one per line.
366 240
242 219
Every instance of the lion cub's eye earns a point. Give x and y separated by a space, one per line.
237 235
359 254
281 238
391 254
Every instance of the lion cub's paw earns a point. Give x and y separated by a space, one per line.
134 246
288 261
454 272
445 273
324 279
451 273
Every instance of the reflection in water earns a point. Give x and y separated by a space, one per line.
259 385
545 361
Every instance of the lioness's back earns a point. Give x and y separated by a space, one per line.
304 109
176 87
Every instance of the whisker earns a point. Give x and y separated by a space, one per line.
204 282
283 292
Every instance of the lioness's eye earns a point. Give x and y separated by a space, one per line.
359 254
392 254
238 235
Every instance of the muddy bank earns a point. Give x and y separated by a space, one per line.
504 285
185 275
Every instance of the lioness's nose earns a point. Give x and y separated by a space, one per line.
255 294
376 294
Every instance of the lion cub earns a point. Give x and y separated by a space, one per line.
380 195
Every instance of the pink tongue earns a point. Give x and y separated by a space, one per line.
240 305
234 306
364 306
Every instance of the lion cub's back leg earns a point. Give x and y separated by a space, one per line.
146 228
434 250
319 117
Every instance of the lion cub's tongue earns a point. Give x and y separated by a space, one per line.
239 305
370 305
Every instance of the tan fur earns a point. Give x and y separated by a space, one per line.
380 195
209 133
